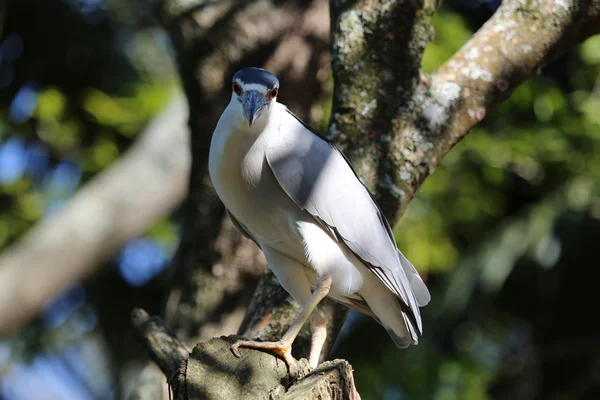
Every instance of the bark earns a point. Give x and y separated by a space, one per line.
259 375
166 351
376 56
211 371
395 124
512 46
117 205
171 352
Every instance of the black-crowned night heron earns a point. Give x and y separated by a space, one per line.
297 196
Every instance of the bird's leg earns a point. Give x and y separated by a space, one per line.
318 328
283 347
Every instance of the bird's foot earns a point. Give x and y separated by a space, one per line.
281 349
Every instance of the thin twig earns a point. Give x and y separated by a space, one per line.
164 348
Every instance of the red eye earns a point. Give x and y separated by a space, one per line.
236 88
273 93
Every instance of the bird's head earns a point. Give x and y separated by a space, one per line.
254 90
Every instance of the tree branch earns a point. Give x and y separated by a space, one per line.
260 375
165 349
256 375
515 43
121 203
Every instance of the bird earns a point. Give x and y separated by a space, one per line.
296 195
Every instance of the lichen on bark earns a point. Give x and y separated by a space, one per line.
376 55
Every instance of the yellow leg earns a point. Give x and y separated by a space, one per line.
283 347
318 328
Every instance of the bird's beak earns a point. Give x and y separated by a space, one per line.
252 101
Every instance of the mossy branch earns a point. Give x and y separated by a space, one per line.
513 45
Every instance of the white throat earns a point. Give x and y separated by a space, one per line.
233 139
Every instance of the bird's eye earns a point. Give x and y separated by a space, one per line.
273 93
236 88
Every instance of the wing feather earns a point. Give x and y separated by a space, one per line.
320 180
241 227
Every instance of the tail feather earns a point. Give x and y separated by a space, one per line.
388 311
416 283
401 341
407 337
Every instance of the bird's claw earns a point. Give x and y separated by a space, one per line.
283 350
235 349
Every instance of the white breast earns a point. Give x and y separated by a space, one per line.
247 187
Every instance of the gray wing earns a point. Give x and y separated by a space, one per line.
320 180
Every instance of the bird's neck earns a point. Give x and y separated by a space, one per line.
233 140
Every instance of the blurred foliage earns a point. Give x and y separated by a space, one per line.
63 117
451 32
79 81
